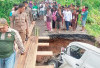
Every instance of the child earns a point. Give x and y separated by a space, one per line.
83 10
54 18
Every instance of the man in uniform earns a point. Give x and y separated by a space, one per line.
8 37
28 12
21 22
29 15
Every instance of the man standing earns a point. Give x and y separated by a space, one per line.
74 20
63 12
42 10
78 11
8 37
28 12
84 18
15 6
21 22
67 17
29 15
30 4
35 6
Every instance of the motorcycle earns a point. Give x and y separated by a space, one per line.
34 13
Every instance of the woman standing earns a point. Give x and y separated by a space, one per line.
54 18
49 18
31 4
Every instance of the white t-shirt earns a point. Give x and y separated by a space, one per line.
68 15
64 11
43 8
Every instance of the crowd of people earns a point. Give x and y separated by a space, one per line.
55 16
59 17
64 17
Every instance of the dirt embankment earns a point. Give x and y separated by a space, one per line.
55 46
57 43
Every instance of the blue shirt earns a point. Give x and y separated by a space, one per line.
85 14
10 13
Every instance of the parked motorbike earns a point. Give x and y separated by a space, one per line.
34 13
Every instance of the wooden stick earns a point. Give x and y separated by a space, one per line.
45 53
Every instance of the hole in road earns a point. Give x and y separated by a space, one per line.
58 41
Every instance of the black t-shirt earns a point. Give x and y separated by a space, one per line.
52 10
78 11
58 17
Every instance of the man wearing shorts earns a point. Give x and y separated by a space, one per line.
84 17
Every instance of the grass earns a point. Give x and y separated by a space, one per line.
93 29
93 20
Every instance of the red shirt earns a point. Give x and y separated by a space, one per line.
83 10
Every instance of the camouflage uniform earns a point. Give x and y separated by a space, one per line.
29 14
20 21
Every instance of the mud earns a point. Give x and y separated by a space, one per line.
58 41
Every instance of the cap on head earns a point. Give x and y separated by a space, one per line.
3 22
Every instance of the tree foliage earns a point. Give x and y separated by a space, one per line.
6 7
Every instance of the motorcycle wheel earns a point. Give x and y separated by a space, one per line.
53 62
